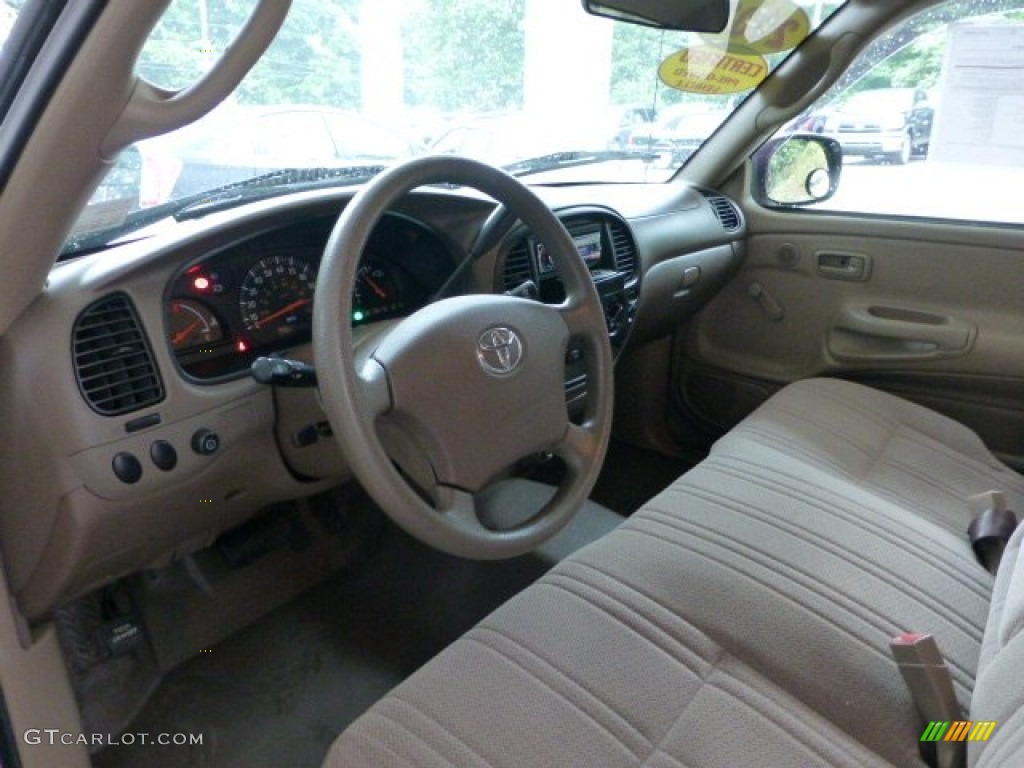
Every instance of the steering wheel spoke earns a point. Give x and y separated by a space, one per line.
580 447
578 318
459 509
373 379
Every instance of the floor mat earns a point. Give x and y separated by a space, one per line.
279 692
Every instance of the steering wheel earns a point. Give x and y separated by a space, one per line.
455 394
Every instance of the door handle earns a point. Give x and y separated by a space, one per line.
884 332
844 266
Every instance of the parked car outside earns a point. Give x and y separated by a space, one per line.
889 123
812 121
627 120
240 142
506 138
676 136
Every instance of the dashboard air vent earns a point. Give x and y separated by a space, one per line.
517 266
113 362
725 211
625 249
577 227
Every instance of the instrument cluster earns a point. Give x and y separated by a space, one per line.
256 297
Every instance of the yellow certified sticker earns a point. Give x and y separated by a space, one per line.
705 69
763 27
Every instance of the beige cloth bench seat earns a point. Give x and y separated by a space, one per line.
915 457
742 617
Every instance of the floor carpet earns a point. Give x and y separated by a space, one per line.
280 691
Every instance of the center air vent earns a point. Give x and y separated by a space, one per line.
517 267
113 362
624 247
725 211
577 227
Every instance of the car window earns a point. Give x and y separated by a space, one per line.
8 15
929 116
499 80
357 138
187 39
287 139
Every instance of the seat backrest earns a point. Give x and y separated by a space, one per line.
999 689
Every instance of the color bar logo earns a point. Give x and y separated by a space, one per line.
958 730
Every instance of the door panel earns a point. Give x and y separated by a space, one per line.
932 311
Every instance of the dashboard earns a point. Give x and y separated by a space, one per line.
256 297
138 357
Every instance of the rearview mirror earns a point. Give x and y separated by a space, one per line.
684 15
797 169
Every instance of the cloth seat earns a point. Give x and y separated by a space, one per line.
999 695
577 673
742 617
903 452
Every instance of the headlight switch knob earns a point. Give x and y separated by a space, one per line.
205 442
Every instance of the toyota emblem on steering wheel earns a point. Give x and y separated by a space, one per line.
499 350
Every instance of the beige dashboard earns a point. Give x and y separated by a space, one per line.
89 496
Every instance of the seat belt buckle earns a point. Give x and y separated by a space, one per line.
991 527
930 684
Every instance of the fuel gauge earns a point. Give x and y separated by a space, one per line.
192 324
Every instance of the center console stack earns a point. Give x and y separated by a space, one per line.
606 246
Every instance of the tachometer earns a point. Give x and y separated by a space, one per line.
276 297
191 324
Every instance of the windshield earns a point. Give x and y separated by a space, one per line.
881 99
356 85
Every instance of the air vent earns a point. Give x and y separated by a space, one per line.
725 211
577 227
113 362
517 266
625 249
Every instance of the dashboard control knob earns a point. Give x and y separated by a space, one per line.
127 468
163 455
205 442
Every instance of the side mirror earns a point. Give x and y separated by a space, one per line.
797 169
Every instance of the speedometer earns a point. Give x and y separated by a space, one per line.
276 297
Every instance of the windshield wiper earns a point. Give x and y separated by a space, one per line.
573 158
265 186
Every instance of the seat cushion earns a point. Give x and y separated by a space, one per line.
903 452
807 579
580 671
733 596
742 616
